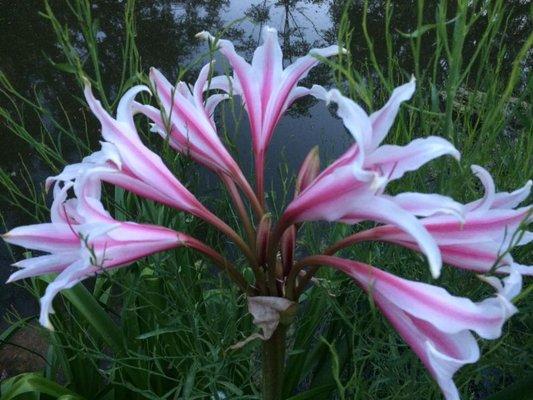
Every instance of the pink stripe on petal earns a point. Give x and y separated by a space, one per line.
192 125
327 198
441 353
267 63
50 237
248 85
380 209
449 314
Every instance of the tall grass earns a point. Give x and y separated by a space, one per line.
162 329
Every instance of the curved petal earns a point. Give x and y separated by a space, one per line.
383 119
124 109
57 209
394 161
380 209
521 269
485 203
355 119
72 275
425 205
513 199
42 265
441 353
433 304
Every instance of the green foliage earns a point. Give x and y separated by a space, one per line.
162 328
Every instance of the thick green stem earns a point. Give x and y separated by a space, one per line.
274 364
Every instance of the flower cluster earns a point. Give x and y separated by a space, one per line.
83 239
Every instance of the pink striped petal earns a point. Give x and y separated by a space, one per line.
433 304
380 209
143 163
308 171
441 353
329 196
49 237
191 127
435 324
283 95
498 225
478 257
267 63
266 89
480 254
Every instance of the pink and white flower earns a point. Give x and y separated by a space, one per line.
126 162
435 324
480 242
188 118
267 89
83 240
129 163
351 189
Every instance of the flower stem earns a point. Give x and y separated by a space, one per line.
274 364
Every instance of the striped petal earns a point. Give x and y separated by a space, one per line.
433 304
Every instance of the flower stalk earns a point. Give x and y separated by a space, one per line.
273 367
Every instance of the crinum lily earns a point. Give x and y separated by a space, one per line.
84 239
266 88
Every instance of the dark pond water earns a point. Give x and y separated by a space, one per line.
166 31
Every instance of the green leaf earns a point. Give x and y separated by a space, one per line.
418 32
32 383
5 335
422 29
87 305
157 332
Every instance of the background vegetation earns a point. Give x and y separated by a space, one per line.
162 328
